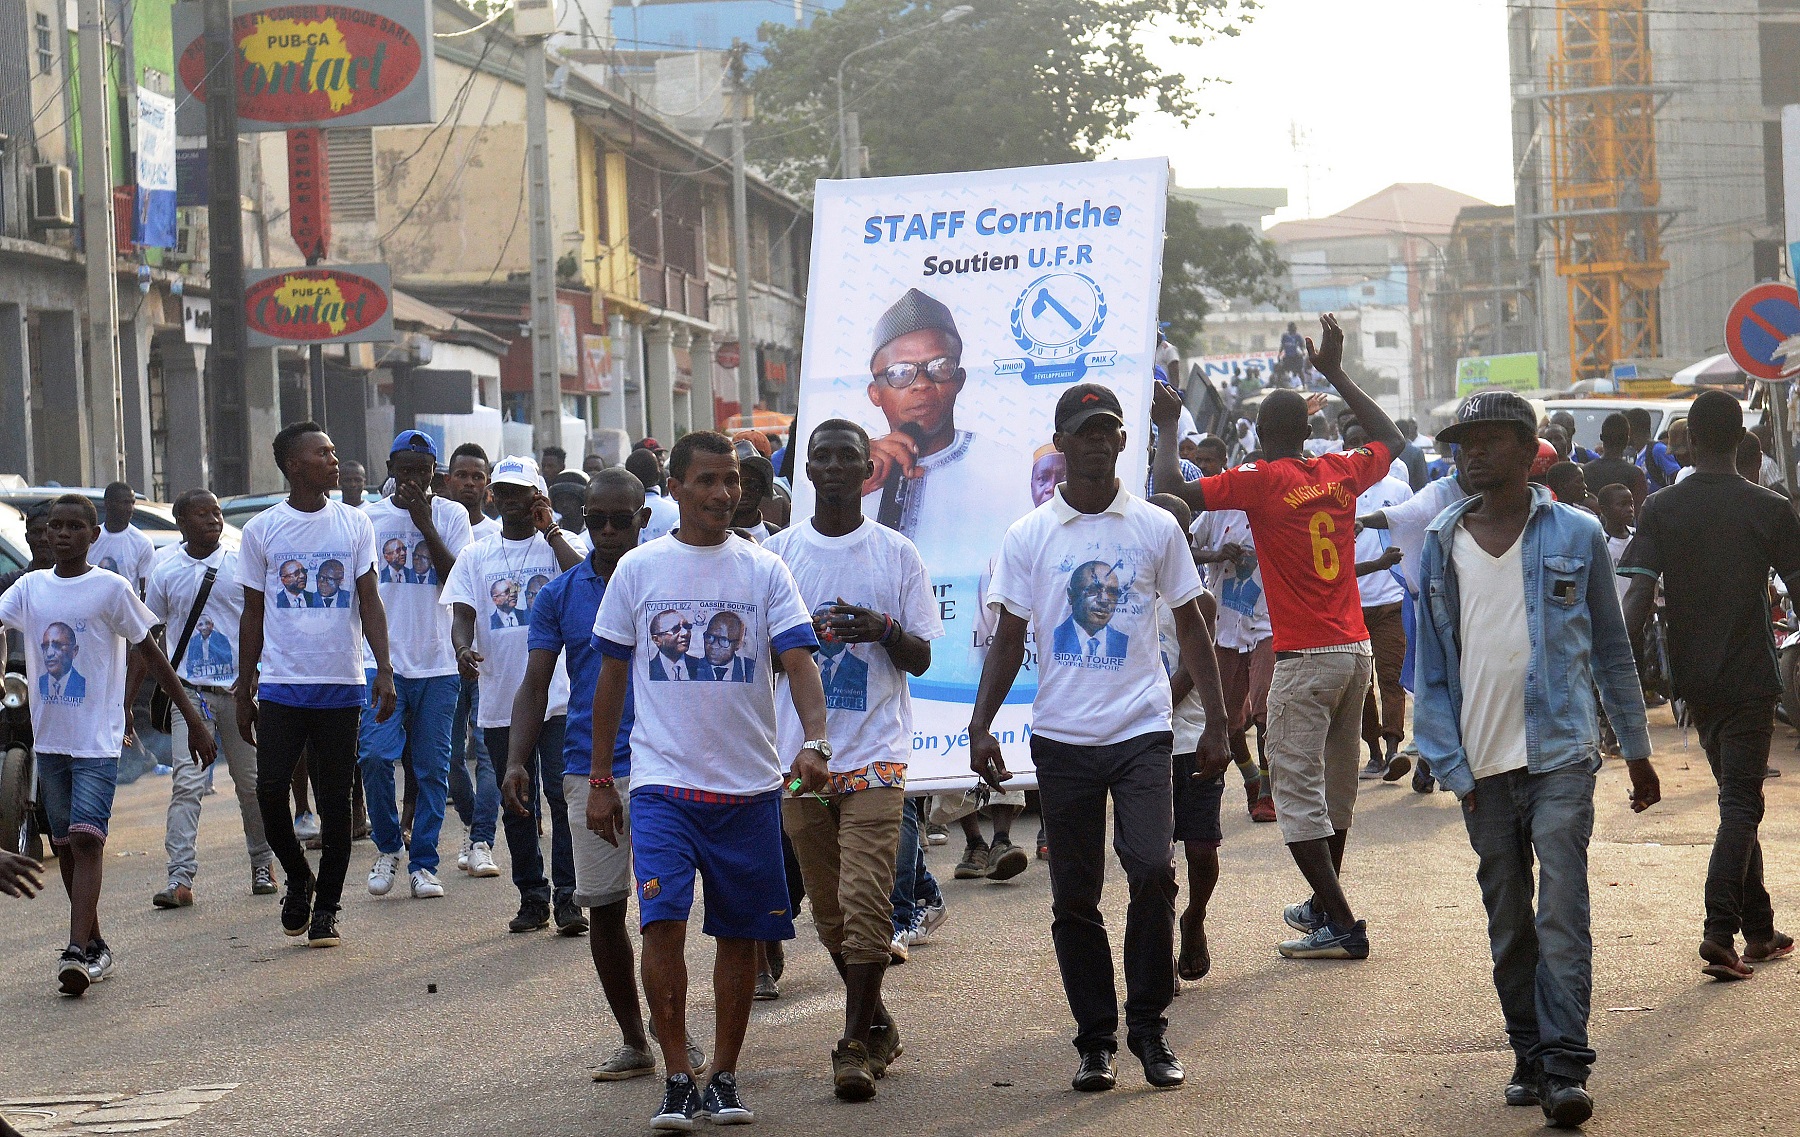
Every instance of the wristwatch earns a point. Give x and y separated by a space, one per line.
821 745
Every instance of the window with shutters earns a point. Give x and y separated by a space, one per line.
45 58
350 154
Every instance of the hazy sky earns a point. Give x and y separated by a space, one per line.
1379 91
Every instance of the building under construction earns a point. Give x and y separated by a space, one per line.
1647 150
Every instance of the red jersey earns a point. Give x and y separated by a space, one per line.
1303 516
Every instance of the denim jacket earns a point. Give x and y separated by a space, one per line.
1578 641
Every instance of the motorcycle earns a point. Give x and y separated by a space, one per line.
22 824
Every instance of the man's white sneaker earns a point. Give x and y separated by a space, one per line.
306 826
462 857
927 920
381 874
481 860
425 885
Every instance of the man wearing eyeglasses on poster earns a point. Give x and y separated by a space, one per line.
927 472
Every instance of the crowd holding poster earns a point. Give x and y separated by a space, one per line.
948 313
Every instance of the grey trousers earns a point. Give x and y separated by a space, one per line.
188 782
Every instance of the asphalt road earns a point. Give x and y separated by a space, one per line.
348 1041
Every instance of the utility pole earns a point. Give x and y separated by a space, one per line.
546 376
228 443
740 231
106 458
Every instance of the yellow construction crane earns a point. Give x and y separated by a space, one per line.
1605 198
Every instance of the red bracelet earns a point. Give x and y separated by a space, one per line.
601 783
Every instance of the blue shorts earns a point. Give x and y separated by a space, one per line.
77 794
735 845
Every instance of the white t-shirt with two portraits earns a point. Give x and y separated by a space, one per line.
418 624
500 579
306 566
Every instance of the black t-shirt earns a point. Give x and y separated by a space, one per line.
1610 472
1713 538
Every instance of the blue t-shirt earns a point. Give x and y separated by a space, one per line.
562 619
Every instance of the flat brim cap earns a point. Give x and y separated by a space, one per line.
1490 406
913 312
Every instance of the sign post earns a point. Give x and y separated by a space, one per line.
309 223
1757 333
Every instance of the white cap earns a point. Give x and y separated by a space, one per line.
516 470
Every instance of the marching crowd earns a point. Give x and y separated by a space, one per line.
517 647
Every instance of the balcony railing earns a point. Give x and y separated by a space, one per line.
673 289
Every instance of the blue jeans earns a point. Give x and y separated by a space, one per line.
522 832
77 794
477 800
419 729
1543 960
914 886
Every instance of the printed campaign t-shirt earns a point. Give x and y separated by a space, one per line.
1243 619
1408 521
1189 717
500 580
1088 583
418 625
711 614
868 706
483 529
665 516
77 630
212 651
306 566
127 552
1382 587
1303 512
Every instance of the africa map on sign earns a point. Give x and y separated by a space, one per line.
309 45
320 296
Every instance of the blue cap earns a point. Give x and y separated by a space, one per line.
415 440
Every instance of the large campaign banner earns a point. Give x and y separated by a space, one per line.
946 315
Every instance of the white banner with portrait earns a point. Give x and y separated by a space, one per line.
946 315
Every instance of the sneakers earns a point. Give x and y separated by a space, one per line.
1522 1088
696 1057
1330 943
462 855
262 881
1263 810
533 914
626 1062
680 1105
927 919
851 1078
99 960
72 976
1161 1068
296 906
1375 767
897 953
174 896
1565 1102
776 954
937 835
1302 917
974 864
720 1103
425 885
1096 1072
884 1047
480 861
1397 767
382 873
306 826
766 987
324 930
1006 860
570 920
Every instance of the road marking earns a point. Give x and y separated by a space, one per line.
102 1113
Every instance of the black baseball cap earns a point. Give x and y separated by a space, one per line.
1491 406
1082 402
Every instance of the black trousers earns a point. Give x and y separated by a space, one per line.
1073 784
283 734
1736 738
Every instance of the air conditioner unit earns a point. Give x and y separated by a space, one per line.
190 240
52 197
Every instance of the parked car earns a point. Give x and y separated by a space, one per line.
240 509
1590 413
155 518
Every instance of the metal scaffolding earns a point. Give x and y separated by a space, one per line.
1606 213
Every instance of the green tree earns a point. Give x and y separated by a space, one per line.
1016 83
1204 263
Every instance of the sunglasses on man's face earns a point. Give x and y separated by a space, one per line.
623 521
943 369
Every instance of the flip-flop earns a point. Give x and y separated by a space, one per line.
1193 965
1723 964
1724 973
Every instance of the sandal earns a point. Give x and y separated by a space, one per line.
1194 961
1723 964
1779 946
